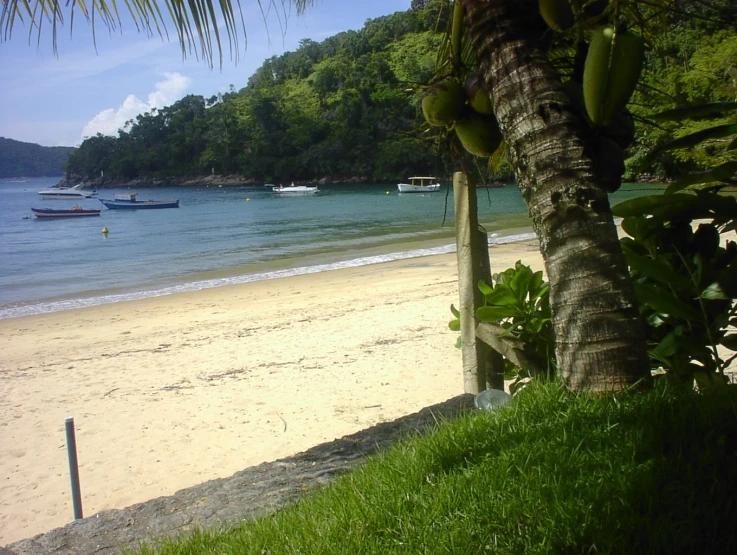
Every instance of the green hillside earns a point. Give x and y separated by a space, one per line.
19 159
344 108
349 108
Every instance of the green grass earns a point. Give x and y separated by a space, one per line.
652 472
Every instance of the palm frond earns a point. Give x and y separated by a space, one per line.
197 22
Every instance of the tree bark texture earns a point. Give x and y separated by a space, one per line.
600 342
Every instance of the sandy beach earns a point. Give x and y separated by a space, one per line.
172 391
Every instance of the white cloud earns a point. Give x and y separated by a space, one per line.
165 92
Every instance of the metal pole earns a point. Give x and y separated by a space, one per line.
73 467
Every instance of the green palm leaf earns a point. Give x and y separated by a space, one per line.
196 21
703 110
722 172
693 139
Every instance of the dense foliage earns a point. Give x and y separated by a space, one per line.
346 107
19 159
684 266
349 108
685 279
693 62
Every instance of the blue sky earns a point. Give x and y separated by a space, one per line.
56 100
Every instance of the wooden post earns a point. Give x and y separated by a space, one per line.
494 359
469 274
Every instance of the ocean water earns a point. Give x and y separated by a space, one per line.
223 235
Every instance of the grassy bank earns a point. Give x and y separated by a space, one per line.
653 472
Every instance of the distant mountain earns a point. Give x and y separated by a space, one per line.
19 159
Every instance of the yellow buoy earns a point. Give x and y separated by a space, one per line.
388 193
248 200
104 230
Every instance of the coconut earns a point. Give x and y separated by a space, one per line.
612 69
609 164
443 102
594 8
574 90
557 14
478 96
622 129
479 134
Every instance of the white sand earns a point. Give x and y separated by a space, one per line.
173 391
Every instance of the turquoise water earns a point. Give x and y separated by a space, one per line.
222 235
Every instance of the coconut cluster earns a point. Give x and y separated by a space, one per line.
467 109
613 64
612 68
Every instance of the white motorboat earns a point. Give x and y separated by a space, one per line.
75 192
419 185
295 189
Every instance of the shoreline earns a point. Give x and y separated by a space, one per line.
168 392
226 180
236 180
235 276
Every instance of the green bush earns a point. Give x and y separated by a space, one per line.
685 277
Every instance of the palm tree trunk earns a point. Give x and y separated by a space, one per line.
600 341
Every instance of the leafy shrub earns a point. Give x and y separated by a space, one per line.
685 278
519 301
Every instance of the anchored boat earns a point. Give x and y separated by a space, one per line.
66 192
74 212
419 185
128 201
295 189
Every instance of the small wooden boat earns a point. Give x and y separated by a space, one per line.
295 189
128 201
74 212
419 185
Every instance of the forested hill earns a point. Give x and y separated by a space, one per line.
19 159
347 107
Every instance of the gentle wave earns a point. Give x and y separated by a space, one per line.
69 304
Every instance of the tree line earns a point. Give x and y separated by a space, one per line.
346 107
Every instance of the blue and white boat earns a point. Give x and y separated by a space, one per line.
128 201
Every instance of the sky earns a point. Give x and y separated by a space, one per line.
92 86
